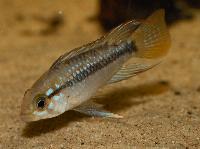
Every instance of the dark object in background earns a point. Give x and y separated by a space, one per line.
45 24
53 23
194 3
114 12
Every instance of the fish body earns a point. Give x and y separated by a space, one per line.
75 77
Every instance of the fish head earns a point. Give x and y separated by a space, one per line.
43 101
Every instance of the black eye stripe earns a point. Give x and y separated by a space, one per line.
56 91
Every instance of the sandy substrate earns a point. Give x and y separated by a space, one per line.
161 107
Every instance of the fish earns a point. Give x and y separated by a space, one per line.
73 79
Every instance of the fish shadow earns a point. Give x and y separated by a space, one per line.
37 128
124 98
115 100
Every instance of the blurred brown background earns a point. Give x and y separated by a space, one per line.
114 12
161 107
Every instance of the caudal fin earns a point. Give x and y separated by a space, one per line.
152 41
152 38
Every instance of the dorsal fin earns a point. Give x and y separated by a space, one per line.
117 35
77 51
122 32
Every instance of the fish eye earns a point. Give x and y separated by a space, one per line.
41 102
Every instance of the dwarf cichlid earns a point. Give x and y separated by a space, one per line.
74 77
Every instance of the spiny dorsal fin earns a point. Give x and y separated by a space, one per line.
122 32
77 51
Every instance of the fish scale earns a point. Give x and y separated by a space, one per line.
93 61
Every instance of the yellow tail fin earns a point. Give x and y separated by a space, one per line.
152 38
152 41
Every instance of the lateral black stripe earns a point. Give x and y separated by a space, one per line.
93 65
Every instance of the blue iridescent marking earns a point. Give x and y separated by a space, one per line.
49 92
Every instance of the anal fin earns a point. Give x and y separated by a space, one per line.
132 69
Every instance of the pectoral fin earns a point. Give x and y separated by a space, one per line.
96 110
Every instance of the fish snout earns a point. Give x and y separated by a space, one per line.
26 113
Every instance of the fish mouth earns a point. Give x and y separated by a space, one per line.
27 116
